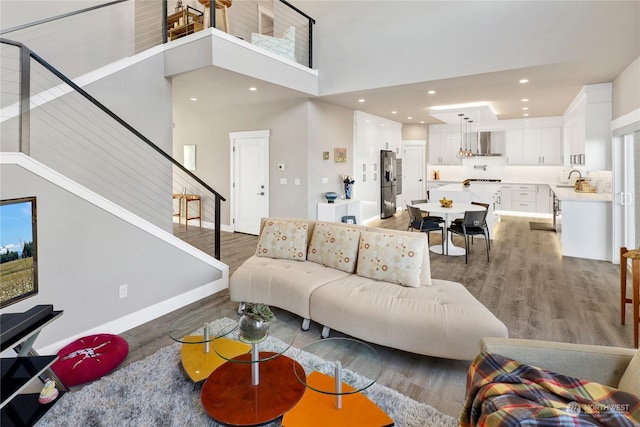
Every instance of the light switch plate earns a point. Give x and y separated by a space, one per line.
296 181
325 180
283 181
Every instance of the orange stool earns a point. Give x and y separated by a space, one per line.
634 256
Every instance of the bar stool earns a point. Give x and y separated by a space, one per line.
634 256
192 198
179 214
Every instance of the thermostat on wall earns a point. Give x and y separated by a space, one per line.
280 166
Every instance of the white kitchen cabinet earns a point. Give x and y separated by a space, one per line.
542 146
514 146
544 199
523 197
504 199
443 148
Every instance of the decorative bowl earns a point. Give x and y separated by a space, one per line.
330 196
446 203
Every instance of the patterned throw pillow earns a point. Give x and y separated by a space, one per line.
283 239
334 246
391 257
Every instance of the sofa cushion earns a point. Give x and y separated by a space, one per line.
281 283
334 246
391 257
284 240
442 320
630 381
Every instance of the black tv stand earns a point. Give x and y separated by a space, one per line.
20 331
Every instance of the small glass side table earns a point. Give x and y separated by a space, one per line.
334 393
196 333
253 388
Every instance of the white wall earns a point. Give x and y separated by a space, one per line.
86 251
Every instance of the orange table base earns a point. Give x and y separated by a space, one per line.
229 397
198 364
357 409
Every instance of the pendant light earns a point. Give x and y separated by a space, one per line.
466 137
469 152
461 151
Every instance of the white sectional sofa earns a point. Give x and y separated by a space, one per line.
370 283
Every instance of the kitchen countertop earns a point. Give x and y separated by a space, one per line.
485 187
570 195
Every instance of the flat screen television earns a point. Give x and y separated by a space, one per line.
18 250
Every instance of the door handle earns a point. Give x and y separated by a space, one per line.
260 194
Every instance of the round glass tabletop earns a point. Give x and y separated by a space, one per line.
202 326
278 340
353 362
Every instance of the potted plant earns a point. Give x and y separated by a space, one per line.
255 321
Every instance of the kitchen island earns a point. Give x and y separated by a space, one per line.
475 192
586 227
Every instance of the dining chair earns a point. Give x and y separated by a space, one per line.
420 223
484 205
474 223
426 215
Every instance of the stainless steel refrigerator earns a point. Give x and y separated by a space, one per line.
387 183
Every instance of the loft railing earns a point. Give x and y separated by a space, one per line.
118 29
275 26
46 115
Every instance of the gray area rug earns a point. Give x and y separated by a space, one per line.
157 392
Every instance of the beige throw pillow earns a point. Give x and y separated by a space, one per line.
391 257
334 246
283 239
630 381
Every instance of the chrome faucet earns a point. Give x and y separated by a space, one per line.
575 170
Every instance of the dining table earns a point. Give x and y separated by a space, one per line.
456 210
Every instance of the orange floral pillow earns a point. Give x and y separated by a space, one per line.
283 239
391 257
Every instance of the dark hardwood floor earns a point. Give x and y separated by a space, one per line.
528 284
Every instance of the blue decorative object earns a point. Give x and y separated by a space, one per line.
330 196
347 191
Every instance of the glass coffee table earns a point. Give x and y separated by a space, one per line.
334 388
197 331
256 387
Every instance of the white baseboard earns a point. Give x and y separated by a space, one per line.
145 315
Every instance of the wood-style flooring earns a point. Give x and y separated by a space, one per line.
527 284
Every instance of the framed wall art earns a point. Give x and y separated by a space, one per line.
340 155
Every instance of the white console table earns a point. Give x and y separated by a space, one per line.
335 211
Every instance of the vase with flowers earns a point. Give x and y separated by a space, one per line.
348 183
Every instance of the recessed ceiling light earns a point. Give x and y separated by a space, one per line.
253 89
361 100
525 100
421 121
523 81
431 92
409 118
525 108
193 99
394 112
526 114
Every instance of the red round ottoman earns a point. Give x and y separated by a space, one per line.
89 358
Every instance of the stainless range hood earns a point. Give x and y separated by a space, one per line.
484 148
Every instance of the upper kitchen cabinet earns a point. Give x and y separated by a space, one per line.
444 147
587 130
541 146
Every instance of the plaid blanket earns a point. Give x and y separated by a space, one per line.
503 393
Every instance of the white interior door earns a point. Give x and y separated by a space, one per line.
413 170
249 180
624 190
